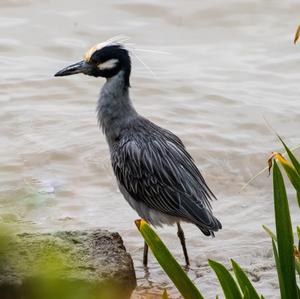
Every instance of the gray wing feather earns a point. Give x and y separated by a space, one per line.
155 168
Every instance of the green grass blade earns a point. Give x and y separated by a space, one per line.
270 233
182 282
284 233
297 266
244 282
298 234
293 177
247 294
273 236
165 294
228 284
292 174
279 274
293 159
297 261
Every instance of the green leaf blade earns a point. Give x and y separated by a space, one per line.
165 294
293 177
228 284
244 282
270 233
285 238
182 282
293 159
279 274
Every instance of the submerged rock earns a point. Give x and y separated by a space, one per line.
63 265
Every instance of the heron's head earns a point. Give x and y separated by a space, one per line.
102 60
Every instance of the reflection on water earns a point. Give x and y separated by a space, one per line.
228 68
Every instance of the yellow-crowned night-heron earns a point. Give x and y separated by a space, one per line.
155 173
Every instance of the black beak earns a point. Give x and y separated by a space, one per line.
76 68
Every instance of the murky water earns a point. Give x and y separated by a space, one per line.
229 67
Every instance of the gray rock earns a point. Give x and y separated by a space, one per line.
75 265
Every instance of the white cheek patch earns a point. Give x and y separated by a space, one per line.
109 64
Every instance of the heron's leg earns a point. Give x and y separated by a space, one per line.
145 256
181 237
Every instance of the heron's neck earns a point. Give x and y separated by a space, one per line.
114 108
